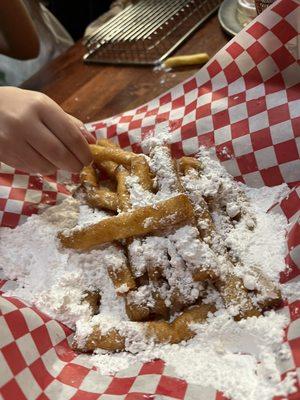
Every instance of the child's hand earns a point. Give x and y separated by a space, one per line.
37 136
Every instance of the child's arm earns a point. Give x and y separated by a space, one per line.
18 36
37 136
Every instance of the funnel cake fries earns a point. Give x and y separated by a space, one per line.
166 250
170 213
230 286
155 331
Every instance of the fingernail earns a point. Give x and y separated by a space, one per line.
88 136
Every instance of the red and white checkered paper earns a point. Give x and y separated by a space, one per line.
246 104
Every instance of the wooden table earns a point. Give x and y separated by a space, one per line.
92 92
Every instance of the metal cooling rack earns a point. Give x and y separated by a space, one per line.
148 31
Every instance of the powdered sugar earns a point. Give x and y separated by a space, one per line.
239 358
53 278
194 252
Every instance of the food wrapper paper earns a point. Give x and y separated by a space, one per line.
245 104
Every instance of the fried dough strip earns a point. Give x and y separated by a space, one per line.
186 164
88 177
111 341
109 167
95 196
166 169
172 213
93 298
173 183
234 293
102 198
231 287
115 154
271 293
145 312
136 312
179 329
141 169
191 166
122 278
123 194
157 331
106 143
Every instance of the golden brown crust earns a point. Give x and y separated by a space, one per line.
186 164
151 312
123 194
140 168
114 154
88 177
102 198
93 298
142 221
158 331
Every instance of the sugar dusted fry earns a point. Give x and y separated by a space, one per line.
157 331
140 168
145 303
179 329
111 341
197 255
235 295
123 194
93 298
117 155
186 164
231 287
190 168
142 221
269 294
165 170
136 312
109 167
106 143
173 218
119 271
88 177
102 198
122 278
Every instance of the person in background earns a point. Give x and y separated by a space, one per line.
30 36
36 135
85 16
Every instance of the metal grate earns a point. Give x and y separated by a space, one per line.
148 31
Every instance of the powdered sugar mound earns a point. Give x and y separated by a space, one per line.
138 196
258 249
239 358
158 137
236 358
161 164
291 290
266 196
52 278
194 252
88 215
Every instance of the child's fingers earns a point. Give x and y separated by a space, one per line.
59 123
52 149
33 162
87 135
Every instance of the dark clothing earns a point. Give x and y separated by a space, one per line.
75 15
